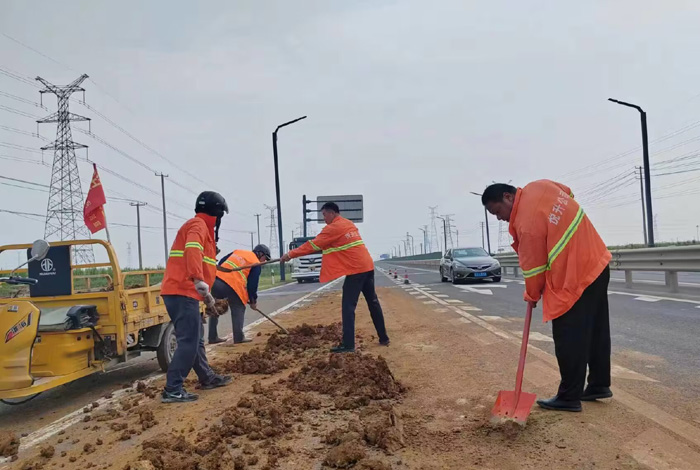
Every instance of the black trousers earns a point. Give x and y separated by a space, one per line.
353 285
582 338
221 290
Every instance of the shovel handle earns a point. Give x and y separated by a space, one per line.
240 268
523 353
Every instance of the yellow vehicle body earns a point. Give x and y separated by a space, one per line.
34 359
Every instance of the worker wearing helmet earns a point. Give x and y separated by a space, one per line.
239 288
345 254
189 273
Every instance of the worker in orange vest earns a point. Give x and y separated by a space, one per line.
189 273
564 263
239 288
345 254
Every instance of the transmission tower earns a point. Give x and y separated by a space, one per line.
448 221
504 239
434 238
64 212
274 245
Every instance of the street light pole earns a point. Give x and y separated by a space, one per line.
425 239
486 223
444 230
647 173
641 196
257 216
277 190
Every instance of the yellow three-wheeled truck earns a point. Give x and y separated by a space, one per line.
53 333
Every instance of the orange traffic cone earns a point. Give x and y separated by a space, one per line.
405 280
396 273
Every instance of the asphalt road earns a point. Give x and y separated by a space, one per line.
658 329
57 402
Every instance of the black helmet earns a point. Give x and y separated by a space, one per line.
211 203
262 250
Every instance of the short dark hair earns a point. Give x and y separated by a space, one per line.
331 206
494 193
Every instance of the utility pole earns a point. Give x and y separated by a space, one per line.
165 219
444 230
399 250
64 211
257 216
277 189
304 202
647 172
138 206
425 239
486 223
412 244
644 214
421 249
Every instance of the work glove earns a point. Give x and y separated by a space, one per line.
201 287
209 300
253 305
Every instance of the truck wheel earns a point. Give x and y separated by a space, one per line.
166 348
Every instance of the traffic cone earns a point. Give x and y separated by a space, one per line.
405 280
396 273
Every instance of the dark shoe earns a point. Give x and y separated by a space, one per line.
217 341
385 343
218 381
177 397
560 405
596 393
342 349
244 340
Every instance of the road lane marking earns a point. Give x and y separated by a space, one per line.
420 297
442 296
469 308
429 302
535 336
453 301
644 298
494 318
42 434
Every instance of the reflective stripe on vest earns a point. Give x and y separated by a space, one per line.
233 266
194 245
344 247
559 247
177 253
314 246
209 260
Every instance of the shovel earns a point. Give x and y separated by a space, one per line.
516 405
240 268
284 330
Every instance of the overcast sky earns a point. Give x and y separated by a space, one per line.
411 104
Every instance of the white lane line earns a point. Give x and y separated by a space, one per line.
442 296
644 298
414 292
453 301
493 318
429 302
40 435
629 294
535 336
469 308
420 297
660 283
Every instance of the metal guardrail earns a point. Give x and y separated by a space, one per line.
670 260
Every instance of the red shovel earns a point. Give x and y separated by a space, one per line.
516 405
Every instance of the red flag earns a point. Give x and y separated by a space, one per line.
93 212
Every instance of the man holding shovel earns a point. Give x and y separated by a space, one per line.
345 254
565 263
239 288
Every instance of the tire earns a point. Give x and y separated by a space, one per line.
497 279
166 348
442 277
452 275
300 280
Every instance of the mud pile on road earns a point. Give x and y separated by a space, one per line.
348 375
282 351
9 444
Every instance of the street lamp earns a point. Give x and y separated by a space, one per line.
425 238
647 173
277 189
486 218
444 230
413 244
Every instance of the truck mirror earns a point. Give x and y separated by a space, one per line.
40 249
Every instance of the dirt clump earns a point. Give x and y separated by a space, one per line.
47 452
173 452
146 418
107 414
382 427
346 454
118 426
88 449
304 337
149 390
9 444
348 375
372 464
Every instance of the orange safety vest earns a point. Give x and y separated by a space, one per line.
192 256
238 280
344 251
559 250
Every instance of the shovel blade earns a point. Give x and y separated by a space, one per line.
506 406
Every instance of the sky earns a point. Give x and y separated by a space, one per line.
410 104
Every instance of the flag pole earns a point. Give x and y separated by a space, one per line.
109 240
